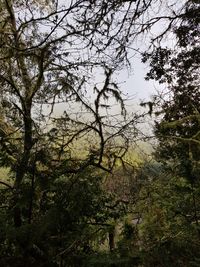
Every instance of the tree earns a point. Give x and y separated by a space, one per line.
40 67
178 70
177 128
49 55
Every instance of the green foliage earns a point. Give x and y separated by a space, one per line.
69 212
178 129
163 228
108 260
170 201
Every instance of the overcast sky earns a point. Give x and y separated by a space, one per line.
134 83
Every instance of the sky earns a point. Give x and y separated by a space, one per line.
134 84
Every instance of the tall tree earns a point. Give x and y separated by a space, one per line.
178 128
50 52
177 69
